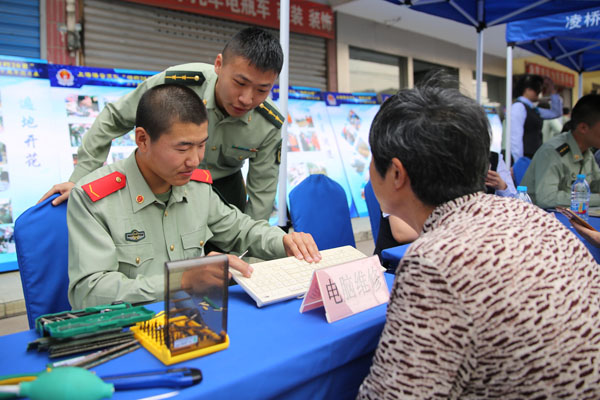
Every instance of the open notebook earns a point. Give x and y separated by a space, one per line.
285 278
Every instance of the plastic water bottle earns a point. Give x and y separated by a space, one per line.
580 197
522 194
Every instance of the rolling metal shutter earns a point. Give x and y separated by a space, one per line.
118 34
20 28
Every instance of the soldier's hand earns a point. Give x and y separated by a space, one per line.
63 188
302 246
236 263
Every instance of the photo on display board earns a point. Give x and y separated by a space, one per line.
3 157
76 132
79 105
349 134
127 139
354 119
292 142
5 211
309 141
296 174
7 242
4 181
316 168
306 122
358 165
363 148
118 156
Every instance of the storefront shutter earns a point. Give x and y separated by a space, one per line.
118 34
20 28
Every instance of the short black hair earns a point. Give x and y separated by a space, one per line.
441 137
587 110
259 47
163 105
529 81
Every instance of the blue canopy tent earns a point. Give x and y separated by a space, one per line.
570 38
482 14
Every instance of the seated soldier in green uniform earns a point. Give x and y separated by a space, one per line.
128 218
242 123
557 162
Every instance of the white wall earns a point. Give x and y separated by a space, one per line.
362 33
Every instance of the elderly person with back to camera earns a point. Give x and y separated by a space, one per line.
495 298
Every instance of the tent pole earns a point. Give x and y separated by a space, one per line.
580 91
479 70
508 102
284 39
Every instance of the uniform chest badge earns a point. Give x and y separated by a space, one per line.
135 236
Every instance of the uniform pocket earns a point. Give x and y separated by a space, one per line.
135 254
193 242
131 257
235 157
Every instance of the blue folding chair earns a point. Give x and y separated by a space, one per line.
318 205
42 241
519 169
373 209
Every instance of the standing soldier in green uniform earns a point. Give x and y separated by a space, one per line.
242 123
557 162
128 218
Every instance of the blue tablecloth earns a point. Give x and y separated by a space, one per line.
394 254
593 221
275 352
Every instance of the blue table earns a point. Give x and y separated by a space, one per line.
394 254
275 352
593 221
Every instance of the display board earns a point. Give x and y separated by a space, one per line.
311 144
350 115
44 112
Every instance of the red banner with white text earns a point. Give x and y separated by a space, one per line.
305 16
560 78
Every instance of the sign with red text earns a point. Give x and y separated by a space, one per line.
305 16
347 289
560 78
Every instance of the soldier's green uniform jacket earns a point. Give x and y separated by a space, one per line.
256 136
119 243
554 168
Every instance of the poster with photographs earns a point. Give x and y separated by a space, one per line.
350 115
45 112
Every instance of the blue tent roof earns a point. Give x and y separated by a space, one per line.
571 39
482 13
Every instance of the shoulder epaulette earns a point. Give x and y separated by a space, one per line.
563 149
100 188
271 114
192 78
202 175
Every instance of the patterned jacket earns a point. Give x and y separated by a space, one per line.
495 299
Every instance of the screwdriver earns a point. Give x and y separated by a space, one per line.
170 377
